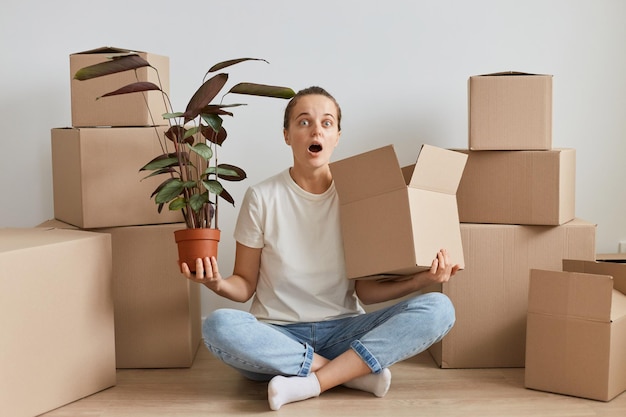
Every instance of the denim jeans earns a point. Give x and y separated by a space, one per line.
381 338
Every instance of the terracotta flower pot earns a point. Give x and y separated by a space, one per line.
196 243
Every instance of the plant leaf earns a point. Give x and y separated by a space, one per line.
162 161
203 96
213 120
216 138
204 151
170 189
230 62
226 196
229 172
132 88
177 204
262 90
114 65
172 115
196 201
213 186
178 134
166 170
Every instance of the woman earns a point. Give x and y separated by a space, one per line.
306 331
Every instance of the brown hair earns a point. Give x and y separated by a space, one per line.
306 92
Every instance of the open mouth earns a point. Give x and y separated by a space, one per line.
315 148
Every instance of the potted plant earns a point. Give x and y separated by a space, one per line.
189 157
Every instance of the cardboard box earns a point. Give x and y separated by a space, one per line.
510 111
122 110
157 310
577 330
518 187
393 220
56 315
96 179
491 295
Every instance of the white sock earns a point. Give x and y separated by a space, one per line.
378 384
283 390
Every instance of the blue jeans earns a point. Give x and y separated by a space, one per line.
260 350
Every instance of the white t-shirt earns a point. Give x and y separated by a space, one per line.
302 272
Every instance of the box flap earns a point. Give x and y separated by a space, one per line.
107 50
618 305
495 74
570 294
438 169
615 269
368 174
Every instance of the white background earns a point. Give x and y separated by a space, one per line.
398 68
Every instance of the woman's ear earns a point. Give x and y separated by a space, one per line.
286 136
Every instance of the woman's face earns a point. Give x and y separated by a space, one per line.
313 131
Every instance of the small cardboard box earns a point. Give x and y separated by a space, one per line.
137 109
157 310
96 179
518 187
393 220
56 315
577 330
491 295
510 111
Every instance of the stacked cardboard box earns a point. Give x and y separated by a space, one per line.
516 207
98 187
577 329
56 314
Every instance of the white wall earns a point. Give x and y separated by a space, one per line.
398 68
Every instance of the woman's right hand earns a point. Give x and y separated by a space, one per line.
207 272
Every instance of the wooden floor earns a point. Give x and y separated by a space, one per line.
419 388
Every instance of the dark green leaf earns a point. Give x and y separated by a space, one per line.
137 87
213 120
114 65
213 186
170 190
230 62
204 151
204 95
161 161
166 170
172 115
198 200
263 90
177 204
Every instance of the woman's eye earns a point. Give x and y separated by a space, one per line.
304 122
327 123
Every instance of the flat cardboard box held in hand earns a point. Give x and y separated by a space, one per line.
96 178
394 220
518 187
137 109
510 111
56 316
576 342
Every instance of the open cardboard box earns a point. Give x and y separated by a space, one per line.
394 220
576 337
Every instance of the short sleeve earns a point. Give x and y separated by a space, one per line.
249 227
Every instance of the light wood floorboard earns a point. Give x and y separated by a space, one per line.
419 388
